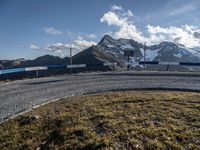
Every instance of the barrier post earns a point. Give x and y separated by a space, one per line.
128 66
71 60
37 73
129 53
168 67
144 56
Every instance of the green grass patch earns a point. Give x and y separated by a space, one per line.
119 120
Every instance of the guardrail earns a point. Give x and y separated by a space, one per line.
168 63
37 68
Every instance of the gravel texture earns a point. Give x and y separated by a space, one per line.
21 96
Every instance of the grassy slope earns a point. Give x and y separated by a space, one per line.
124 120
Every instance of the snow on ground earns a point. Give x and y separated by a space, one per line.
135 63
150 54
108 44
179 55
188 51
181 52
121 52
113 53
127 46
195 52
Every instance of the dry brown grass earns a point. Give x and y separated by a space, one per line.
120 120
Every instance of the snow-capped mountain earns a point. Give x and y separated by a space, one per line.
112 50
165 51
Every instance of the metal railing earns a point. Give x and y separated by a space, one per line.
37 68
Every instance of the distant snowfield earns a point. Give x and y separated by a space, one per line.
172 51
128 46
150 54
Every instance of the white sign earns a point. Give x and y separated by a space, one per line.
76 66
168 63
36 68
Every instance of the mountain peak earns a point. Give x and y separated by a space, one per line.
170 45
107 36
167 43
107 40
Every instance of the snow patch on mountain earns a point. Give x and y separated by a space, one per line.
194 52
179 55
108 43
135 63
121 52
152 54
127 46
165 51
112 53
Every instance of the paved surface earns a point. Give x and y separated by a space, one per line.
20 96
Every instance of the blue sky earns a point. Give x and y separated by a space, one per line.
31 28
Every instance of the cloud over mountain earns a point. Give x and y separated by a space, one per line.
124 23
59 47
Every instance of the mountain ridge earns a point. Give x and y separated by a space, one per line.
110 49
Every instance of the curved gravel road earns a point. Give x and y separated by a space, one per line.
21 96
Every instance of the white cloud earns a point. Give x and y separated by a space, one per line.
124 27
111 18
78 45
56 47
34 47
129 13
183 35
91 36
115 7
80 37
122 21
82 44
59 47
52 30
183 9
69 33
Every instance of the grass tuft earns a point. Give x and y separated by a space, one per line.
119 120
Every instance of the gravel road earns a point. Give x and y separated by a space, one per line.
21 96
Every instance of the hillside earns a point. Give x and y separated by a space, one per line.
45 60
93 55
